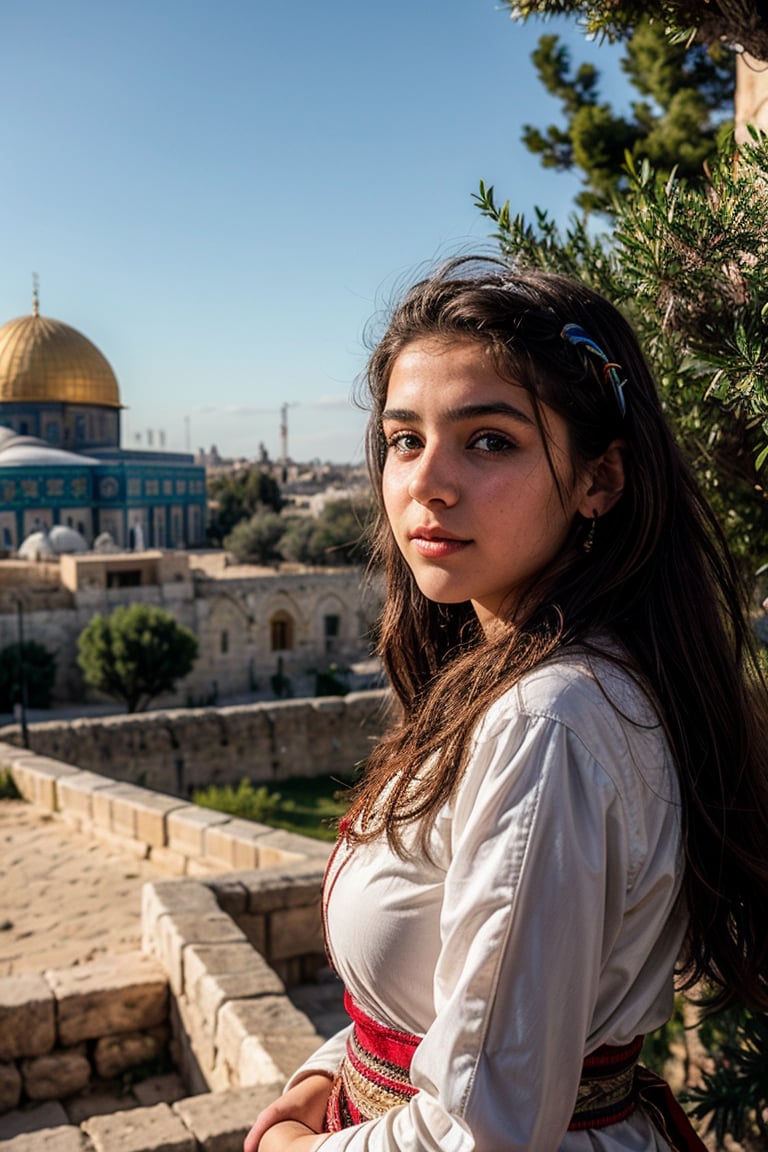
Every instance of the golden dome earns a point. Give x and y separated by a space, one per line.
44 360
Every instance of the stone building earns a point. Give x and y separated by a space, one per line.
60 456
251 623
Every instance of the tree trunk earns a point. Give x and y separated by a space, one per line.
751 102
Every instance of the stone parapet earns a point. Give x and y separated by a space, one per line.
181 837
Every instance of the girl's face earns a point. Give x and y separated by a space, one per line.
468 489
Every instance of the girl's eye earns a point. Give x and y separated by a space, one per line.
403 442
492 442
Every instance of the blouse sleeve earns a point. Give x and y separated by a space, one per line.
535 896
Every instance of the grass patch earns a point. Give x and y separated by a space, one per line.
8 789
311 806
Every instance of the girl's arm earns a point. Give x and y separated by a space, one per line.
294 1120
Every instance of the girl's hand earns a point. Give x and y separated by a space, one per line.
290 1136
304 1104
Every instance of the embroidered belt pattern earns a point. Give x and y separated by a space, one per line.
375 1073
375 1076
608 1087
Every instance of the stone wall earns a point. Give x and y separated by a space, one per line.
61 1030
176 751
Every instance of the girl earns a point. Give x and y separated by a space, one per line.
573 796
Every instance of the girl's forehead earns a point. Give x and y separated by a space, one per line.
433 367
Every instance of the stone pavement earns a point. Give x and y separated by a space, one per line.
64 898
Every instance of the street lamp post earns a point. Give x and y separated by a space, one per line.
22 705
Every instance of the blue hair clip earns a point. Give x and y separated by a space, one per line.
576 335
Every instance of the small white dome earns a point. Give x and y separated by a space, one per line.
37 546
64 539
105 542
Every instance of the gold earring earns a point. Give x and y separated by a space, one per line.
589 539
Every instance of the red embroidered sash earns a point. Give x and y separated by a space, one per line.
375 1076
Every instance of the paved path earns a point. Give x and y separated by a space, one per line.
64 898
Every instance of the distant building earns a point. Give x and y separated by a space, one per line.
60 456
251 623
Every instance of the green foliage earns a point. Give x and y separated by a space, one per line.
332 681
687 90
239 496
734 1097
135 654
245 801
688 263
257 540
657 1046
682 20
39 674
8 789
336 537
311 806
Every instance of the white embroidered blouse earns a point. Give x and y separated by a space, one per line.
548 923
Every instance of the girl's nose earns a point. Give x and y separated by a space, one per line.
433 479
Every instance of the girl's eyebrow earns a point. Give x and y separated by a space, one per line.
466 412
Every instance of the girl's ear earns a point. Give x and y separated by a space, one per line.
605 480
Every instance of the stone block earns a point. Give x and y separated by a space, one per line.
125 801
112 1055
10 1087
260 1018
152 810
215 959
100 1103
186 828
101 806
220 1122
127 993
255 929
200 959
255 1064
279 847
174 863
295 931
60 1139
198 1035
37 778
59 1074
126 845
184 1059
201 869
155 1129
76 792
287 1052
173 898
285 887
32 1119
27 1017
235 844
175 932
231 895
215 989
160 1089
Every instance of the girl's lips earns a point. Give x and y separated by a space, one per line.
434 546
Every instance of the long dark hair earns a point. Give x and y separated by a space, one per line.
659 580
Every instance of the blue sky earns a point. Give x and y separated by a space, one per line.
221 194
